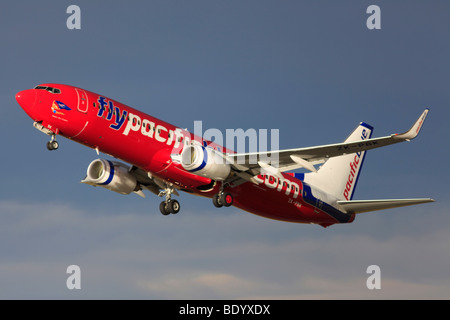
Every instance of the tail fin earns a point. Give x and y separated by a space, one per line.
338 176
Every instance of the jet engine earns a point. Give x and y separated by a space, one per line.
205 162
112 175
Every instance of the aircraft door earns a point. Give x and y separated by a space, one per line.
83 101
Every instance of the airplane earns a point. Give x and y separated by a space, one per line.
165 159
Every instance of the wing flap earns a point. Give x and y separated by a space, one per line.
360 206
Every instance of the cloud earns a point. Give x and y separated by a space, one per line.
207 285
195 255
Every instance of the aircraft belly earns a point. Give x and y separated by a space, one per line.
270 203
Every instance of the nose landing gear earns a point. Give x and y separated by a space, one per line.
53 144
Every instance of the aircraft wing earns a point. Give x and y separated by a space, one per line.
306 157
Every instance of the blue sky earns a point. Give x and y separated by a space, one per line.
311 69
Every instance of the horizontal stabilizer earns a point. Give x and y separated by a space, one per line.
360 206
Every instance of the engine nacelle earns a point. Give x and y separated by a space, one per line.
205 162
111 175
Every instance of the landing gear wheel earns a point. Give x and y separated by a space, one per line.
174 206
55 144
222 199
217 201
164 208
52 145
226 199
168 207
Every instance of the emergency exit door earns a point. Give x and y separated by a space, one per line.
82 100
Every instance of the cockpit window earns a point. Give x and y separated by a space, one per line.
49 89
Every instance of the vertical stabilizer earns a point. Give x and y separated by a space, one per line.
338 176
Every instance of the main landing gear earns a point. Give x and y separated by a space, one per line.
53 144
222 198
169 205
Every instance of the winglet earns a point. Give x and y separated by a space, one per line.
415 129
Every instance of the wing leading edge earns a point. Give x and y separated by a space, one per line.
306 157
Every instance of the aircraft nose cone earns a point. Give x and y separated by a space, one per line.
26 99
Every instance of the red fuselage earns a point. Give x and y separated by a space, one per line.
149 144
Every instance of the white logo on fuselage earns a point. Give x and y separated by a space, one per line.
281 185
108 111
155 131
